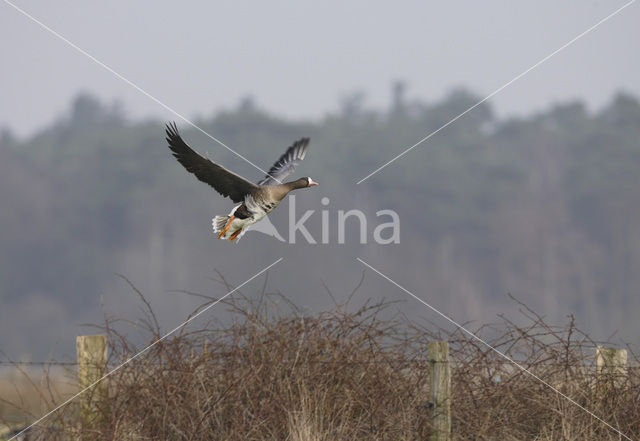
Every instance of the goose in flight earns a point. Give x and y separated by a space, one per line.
256 200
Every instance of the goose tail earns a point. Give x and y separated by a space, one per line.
219 222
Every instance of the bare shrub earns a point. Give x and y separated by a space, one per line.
275 373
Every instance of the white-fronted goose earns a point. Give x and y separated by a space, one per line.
256 200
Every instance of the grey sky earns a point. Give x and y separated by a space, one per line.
298 58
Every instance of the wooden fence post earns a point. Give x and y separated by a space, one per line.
92 365
611 364
440 389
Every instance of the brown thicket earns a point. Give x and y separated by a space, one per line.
276 373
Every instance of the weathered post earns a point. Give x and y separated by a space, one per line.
92 365
440 382
611 366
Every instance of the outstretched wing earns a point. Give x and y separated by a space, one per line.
287 163
222 180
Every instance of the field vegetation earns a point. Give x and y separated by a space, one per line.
276 373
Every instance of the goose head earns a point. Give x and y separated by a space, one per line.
301 183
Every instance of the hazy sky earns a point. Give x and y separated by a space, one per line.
299 58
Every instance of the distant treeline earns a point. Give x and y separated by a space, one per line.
548 203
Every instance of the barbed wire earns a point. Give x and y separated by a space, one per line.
38 363
587 363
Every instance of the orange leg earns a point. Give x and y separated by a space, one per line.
234 235
226 227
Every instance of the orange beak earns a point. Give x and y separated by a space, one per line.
312 182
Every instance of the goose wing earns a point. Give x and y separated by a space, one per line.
226 183
287 163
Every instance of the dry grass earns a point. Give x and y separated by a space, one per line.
27 392
340 375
